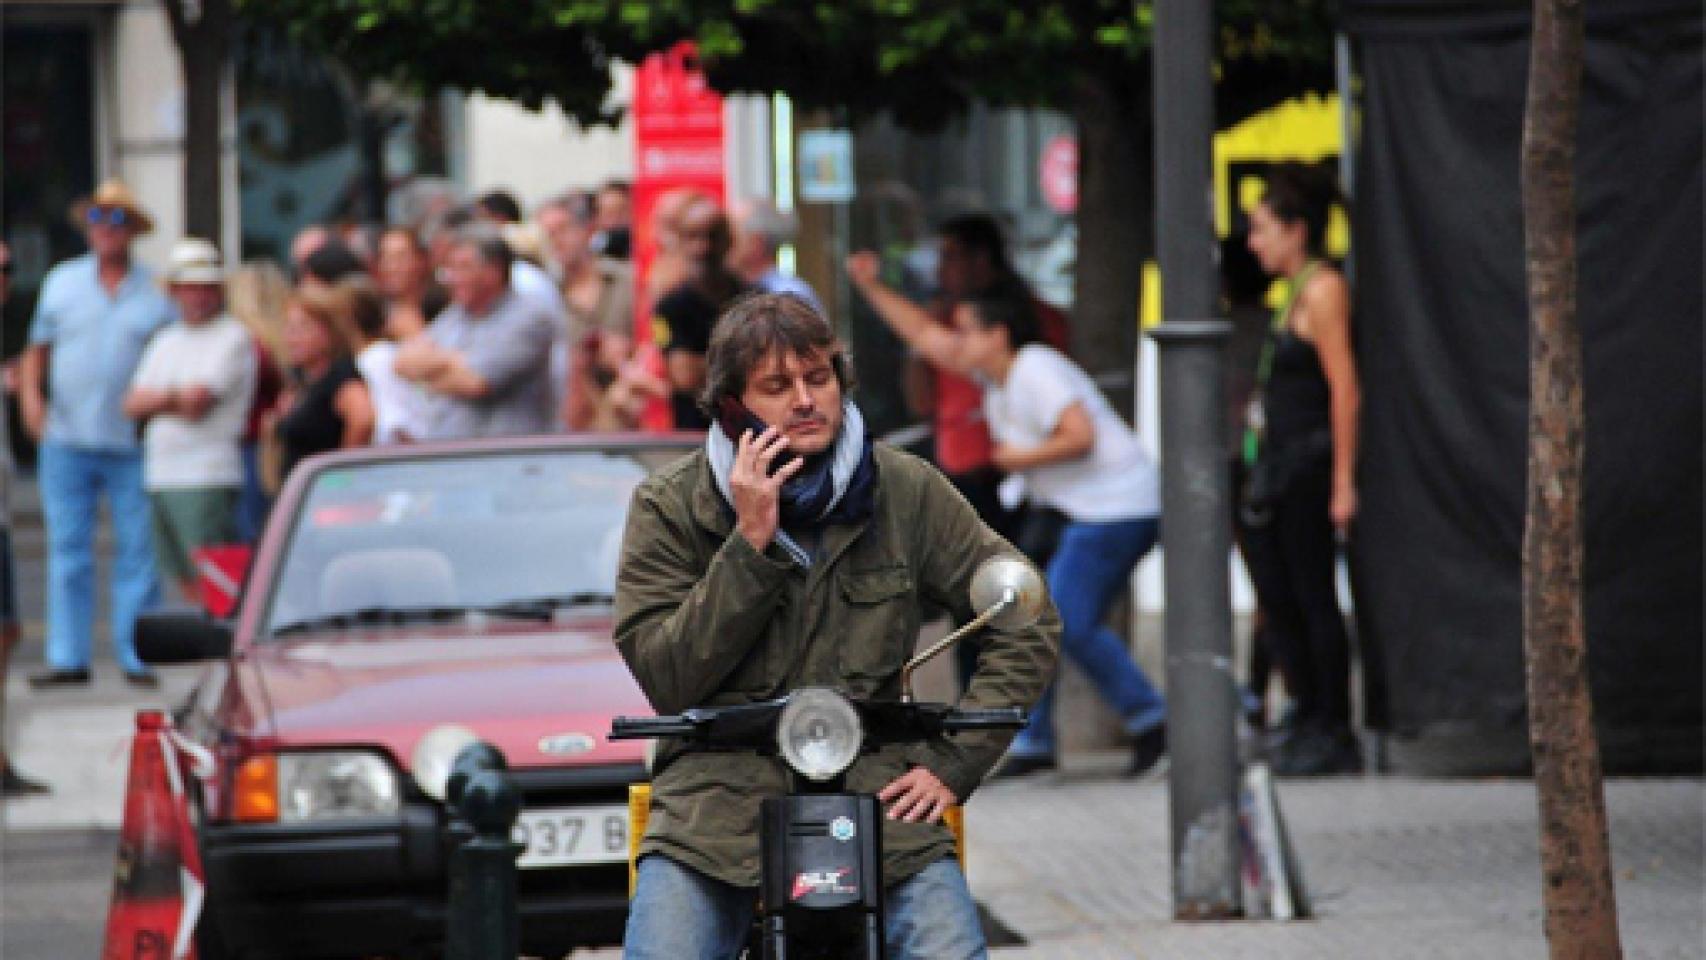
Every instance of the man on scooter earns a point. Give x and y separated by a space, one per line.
794 551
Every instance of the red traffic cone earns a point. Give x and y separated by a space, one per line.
157 887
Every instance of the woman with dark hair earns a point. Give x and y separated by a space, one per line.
1300 445
1052 426
403 272
399 407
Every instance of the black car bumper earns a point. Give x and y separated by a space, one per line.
377 886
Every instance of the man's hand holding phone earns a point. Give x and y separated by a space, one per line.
757 492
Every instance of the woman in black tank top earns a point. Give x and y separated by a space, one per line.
1301 447
330 409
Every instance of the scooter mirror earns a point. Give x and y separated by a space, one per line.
1006 592
1011 579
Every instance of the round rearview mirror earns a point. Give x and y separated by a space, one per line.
1009 576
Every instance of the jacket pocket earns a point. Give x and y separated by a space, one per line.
882 619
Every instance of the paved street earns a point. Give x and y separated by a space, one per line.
1075 863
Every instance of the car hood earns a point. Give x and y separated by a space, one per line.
544 696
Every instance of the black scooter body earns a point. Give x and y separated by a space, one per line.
837 913
822 885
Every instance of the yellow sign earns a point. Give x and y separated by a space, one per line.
1307 129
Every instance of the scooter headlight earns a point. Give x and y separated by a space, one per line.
819 733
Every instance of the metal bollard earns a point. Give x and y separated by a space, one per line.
481 922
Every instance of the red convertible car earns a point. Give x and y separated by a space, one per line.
401 602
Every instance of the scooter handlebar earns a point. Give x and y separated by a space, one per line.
645 728
1004 718
747 726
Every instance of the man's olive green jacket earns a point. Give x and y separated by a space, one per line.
703 619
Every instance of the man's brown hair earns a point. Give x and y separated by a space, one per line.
755 327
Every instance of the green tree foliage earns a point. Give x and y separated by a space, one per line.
923 60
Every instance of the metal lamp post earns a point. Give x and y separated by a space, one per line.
1202 698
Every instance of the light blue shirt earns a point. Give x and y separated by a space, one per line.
778 282
95 342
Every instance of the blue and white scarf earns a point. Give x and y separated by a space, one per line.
835 486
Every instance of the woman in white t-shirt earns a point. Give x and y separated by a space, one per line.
1052 426
399 407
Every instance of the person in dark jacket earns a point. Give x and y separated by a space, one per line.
798 552
683 318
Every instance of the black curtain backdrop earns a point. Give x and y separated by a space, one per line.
1441 314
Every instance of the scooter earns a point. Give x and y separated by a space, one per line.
820 884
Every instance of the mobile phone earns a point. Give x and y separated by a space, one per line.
734 417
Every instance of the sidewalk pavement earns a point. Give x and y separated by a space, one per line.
77 740
1077 864
1397 868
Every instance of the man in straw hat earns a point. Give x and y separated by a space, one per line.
95 314
192 393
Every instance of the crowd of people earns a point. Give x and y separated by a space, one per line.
184 402
1010 408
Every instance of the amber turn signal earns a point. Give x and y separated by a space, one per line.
255 790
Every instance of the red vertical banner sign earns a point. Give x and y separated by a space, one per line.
1057 174
678 143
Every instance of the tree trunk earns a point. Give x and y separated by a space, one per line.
1575 855
1116 218
373 124
204 46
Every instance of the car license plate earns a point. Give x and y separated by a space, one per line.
572 835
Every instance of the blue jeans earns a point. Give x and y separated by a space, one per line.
72 480
679 913
1092 564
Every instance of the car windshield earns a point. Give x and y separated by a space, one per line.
509 535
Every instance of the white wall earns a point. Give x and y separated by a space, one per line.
142 89
537 155
146 122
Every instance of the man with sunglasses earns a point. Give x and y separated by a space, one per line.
95 314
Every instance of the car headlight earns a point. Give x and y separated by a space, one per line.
819 733
323 785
